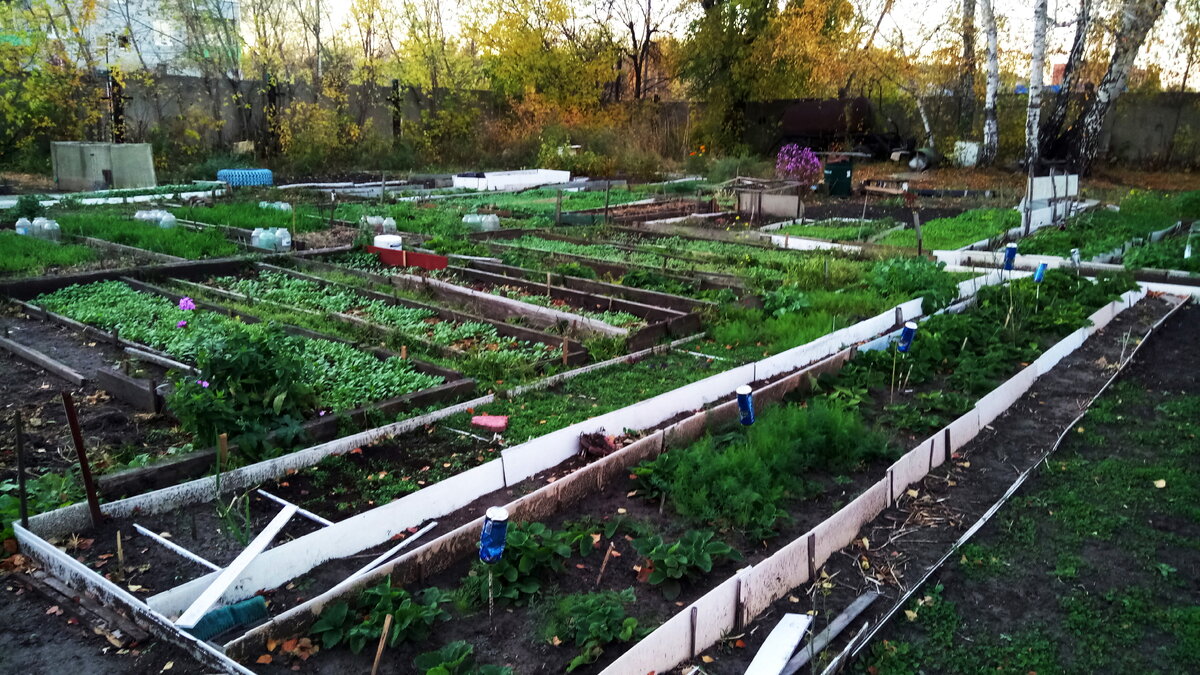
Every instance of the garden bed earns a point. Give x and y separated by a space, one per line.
27 256
119 228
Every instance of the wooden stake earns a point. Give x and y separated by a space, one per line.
120 575
607 190
547 284
404 352
558 209
21 494
84 470
604 563
564 350
917 227
223 449
387 626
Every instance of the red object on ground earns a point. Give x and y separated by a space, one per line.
495 423
393 258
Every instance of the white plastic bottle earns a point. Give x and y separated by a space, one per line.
389 225
283 239
256 237
267 239
24 226
167 221
53 231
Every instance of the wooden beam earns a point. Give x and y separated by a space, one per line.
773 656
43 361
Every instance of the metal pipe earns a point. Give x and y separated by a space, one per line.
176 548
304 512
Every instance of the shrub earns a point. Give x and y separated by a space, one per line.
29 206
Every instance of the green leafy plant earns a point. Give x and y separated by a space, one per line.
30 255
456 658
29 206
671 564
532 555
45 493
177 241
915 278
360 623
592 621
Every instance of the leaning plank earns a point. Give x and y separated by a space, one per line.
39 359
779 645
822 640
209 597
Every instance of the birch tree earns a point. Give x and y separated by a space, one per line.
991 126
1136 19
1071 75
1037 65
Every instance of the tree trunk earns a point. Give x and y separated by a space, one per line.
1053 129
1037 64
966 80
1137 18
991 127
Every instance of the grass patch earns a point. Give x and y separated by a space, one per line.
26 255
120 229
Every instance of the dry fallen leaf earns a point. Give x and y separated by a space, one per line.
1160 483
272 643
914 494
866 543
707 659
55 611
170 665
555 640
912 616
741 644
265 658
621 511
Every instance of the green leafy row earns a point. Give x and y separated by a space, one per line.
28 255
120 229
961 230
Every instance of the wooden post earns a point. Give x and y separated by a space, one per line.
607 190
404 352
84 470
917 227
387 626
382 186
547 284
404 257
21 494
116 336
223 449
564 350
120 575
558 209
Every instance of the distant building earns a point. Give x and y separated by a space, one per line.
168 36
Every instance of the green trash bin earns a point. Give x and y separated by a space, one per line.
839 178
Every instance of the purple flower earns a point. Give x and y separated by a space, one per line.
321 413
181 324
202 383
186 304
797 163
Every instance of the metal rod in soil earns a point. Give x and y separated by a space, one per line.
84 470
22 496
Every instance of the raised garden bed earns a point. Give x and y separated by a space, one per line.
118 228
26 256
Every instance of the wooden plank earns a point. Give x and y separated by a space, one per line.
43 361
822 640
136 392
779 645
213 593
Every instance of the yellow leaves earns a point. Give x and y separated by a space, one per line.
910 615
1160 483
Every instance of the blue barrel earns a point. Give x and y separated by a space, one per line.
246 177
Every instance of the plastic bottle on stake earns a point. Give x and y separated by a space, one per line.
745 399
493 535
1039 274
906 336
1010 257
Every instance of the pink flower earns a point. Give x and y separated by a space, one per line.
799 164
202 383
186 304
181 324
321 413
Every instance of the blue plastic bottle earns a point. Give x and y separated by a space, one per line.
493 535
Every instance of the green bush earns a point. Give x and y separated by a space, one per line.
29 206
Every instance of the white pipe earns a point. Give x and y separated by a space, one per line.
388 554
304 512
176 548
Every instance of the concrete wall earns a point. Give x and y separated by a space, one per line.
82 166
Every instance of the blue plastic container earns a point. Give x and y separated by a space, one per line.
745 399
244 177
1039 274
494 535
1010 256
906 336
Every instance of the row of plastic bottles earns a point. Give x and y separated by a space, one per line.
278 206
273 238
387 225
40 228
163 219
482 222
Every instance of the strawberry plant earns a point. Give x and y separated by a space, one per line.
533 554
591 621
456 658
671 564
360 623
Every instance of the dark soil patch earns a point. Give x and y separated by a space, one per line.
876 210
114 432
905 540
35 641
